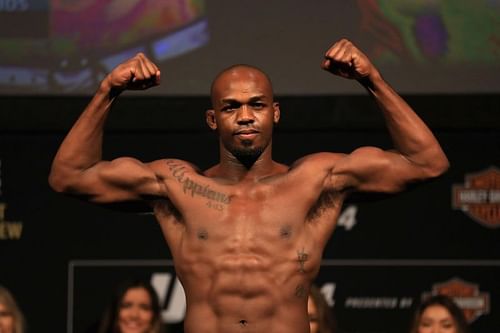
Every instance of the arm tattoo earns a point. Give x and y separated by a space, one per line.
194 188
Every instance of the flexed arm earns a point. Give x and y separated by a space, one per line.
417 155
78 167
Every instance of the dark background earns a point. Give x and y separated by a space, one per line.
421 224
443 56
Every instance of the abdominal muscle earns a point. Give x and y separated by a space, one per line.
246 268
243 293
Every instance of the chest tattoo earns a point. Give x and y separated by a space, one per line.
194 188
300 291
302 257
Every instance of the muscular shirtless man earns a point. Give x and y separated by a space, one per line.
246 235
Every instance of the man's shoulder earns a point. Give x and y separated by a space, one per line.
171 163
172 166
317 160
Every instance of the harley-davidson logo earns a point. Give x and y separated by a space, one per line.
467 296
479 197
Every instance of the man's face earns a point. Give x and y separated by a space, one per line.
244 112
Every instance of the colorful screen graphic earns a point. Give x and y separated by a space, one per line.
447 31
68 45
58 47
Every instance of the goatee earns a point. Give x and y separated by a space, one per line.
247 155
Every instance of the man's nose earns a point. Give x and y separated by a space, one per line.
245 115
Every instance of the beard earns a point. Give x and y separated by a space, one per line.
247 154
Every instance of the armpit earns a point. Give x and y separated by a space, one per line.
327 200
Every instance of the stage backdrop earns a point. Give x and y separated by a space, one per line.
62 257
66 47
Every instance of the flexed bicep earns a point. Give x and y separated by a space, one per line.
371 169
120 180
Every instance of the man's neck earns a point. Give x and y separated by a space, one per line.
234 170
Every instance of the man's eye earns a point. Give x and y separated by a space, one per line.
230 107
258 105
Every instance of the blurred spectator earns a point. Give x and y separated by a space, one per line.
134 309
11 317
439 313
321 319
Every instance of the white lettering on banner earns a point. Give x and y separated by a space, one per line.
161 283
494 196
371 302
470 302
405 302
328 291
9 229
348 217
473 196
175 308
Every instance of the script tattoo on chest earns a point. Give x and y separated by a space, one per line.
216 200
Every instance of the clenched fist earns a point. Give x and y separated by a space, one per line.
346 60
137 73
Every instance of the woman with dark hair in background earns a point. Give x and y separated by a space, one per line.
134 309
439 313
11 317
321 319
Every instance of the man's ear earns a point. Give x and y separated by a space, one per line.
210 119
277 112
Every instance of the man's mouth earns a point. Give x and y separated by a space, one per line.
246 134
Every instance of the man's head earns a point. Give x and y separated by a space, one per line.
243 112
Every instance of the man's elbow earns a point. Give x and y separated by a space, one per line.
59 181
56 183
438 167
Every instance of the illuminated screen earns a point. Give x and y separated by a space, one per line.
65 47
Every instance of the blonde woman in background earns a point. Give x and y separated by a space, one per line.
11 317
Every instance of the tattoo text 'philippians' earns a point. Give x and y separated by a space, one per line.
191 187
302 257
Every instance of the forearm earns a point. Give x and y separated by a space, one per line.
411 136
82 147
